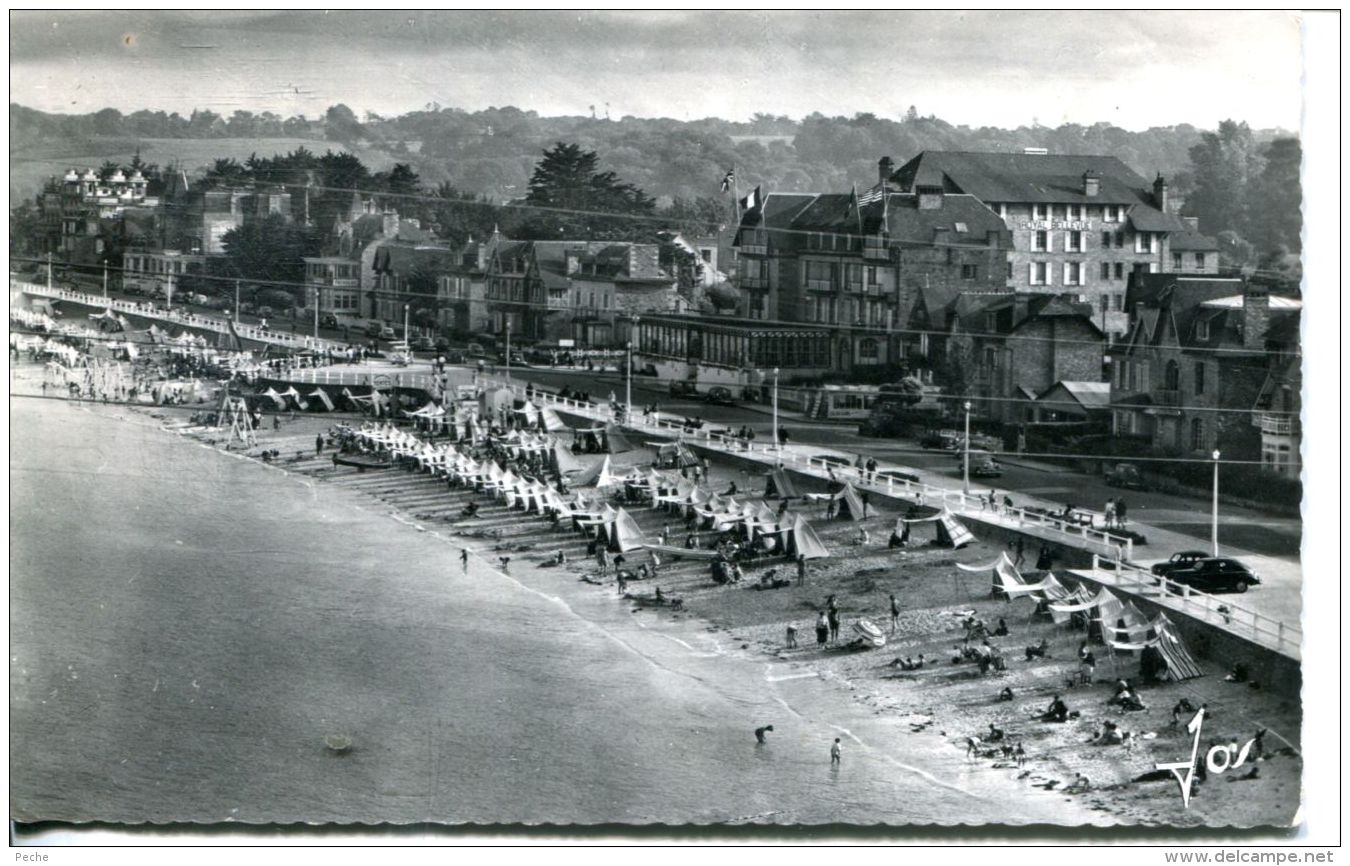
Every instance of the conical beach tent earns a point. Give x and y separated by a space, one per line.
1168 657
563 461
779 486
593 474
615 441
952 532
624 534
550 420
850 505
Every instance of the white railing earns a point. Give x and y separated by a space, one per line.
185 319
1276 634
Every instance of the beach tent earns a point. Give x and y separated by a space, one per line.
624 534
779 486
549 420
277 400
1168 657
614 440
850 505
593 474
803 541
563 461
295 395
952 532
674 455
323 398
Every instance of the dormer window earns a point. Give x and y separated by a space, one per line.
962 228
1202 331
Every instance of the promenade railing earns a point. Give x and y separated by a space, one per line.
1277 634
177 317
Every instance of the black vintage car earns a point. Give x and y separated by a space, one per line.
720 394
683 388
1216 575
1184 559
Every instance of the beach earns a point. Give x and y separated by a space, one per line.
189 626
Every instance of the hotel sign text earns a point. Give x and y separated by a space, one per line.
1066 225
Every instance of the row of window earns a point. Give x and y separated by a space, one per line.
832 311
1075 273
1075 241
1178 260
1110 213
1133 375
153 265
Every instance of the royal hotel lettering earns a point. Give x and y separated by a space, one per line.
1067 225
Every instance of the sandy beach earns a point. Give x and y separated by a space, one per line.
908 727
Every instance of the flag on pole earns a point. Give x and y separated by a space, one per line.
751 201
873 194
728 180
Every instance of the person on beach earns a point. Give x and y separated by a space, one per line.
866 499
506 564
822 629
1057 711
801 569
760 732
1019 548
623 584
792 637
1110 512
835 753
464 559
318 445
895 614
834 624
1120 513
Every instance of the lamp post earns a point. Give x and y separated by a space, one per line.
105 279
316 312
236 302
508 347
777 440
407 341
632 336
965 461
1214 517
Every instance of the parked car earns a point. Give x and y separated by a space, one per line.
988 467
442 344
683 388
328 320
646 370
476 350
424 344
947 440
720 394
387 333
1183 559
1125 475
1216 575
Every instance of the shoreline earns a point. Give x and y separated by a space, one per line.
855 678
749 632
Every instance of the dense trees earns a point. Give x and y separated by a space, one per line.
574 196
270 249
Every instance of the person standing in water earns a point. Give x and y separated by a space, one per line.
835 752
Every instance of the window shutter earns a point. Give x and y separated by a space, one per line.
1031 273
1066 274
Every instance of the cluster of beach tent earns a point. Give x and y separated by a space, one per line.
1117 621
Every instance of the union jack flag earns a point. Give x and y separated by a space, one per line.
728 180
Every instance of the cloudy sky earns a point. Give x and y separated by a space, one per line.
1006 69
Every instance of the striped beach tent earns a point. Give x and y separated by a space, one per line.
1176 660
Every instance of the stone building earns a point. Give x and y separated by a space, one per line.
1209 363
857 263
1079 224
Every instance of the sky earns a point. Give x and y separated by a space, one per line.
1131 69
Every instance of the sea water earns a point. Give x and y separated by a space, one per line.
188 626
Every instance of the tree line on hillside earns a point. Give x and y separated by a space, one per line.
457 171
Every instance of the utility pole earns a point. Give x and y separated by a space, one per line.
1214 516
316 312
965 462
777 440
508 347
49 270
105 279
628 413
236 302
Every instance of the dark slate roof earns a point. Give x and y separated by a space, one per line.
905 221
778 210
1019 177
1193 242
1147 218
1284 329
396 258
1155 289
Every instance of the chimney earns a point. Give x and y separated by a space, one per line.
885 167
930 197
390 226
1160 192
1193 223
1092 183
1255 317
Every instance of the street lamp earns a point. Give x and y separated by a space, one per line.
236 302
628 413
777 439
965 462
105 279
508 347
1214 519
316 312
407 341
